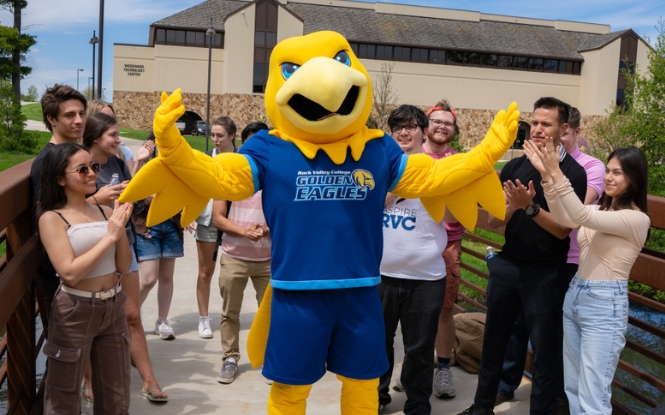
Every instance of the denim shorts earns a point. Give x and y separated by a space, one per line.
160 241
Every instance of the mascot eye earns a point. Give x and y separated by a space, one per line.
343 57
289 69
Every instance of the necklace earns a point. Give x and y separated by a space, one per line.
82 214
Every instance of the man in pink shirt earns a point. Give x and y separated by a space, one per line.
442 129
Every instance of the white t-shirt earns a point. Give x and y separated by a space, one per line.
412 242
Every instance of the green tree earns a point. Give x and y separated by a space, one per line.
641 121
13 138
31 96
14 46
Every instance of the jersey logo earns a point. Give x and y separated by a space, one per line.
363 179
333 185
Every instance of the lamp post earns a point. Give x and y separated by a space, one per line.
77 78
210 34
93 41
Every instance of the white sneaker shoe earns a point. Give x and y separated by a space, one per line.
205 332
164 329
443 384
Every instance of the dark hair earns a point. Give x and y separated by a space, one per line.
95 126
97 106
251 129
445 106
55 96
228 125
55 162
574 118
552 103
635 169
405 113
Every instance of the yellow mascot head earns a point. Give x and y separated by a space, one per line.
317 88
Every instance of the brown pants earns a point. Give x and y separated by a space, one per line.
233 277
82 329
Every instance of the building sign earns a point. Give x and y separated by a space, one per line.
133 69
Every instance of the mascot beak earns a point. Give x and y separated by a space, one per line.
320 89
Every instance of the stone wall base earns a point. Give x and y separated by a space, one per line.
135 110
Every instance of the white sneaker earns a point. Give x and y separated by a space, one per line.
205 332
443 383
164 329
397 385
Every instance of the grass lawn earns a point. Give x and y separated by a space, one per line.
8 160
33 111
476 263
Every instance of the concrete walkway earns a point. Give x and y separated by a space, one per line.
187 366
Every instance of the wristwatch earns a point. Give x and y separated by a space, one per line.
532 210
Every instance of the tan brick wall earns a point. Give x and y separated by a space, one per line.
136 110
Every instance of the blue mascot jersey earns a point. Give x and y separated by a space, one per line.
324 219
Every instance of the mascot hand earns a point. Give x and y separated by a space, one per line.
167 135
501 135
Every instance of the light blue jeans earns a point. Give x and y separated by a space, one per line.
595 319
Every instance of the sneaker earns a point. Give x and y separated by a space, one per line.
205 332
397 385
227 373
164 329
476 410
443 383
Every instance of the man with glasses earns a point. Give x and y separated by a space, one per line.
442 129
64 116
413 282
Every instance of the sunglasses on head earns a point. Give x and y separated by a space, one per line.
85 170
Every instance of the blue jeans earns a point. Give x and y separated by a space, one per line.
595 319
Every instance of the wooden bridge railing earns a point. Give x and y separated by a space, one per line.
19 292
649 269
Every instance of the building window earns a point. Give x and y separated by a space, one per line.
487 59
437 56
384 52
186 38
466 58
550 65
472 58
505 61
454 57
402 53
419 55
265 39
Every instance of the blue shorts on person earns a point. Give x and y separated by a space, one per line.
135 264
160 241
339 330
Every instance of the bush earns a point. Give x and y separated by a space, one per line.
13 138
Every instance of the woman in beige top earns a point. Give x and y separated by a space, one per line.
611 235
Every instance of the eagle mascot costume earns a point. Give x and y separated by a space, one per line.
324 177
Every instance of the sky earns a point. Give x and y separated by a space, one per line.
64 27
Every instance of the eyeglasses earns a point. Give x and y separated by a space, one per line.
439 123
409 128
83 171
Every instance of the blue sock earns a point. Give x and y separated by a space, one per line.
443 362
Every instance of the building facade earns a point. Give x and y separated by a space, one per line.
479 62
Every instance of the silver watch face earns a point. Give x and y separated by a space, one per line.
530 210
